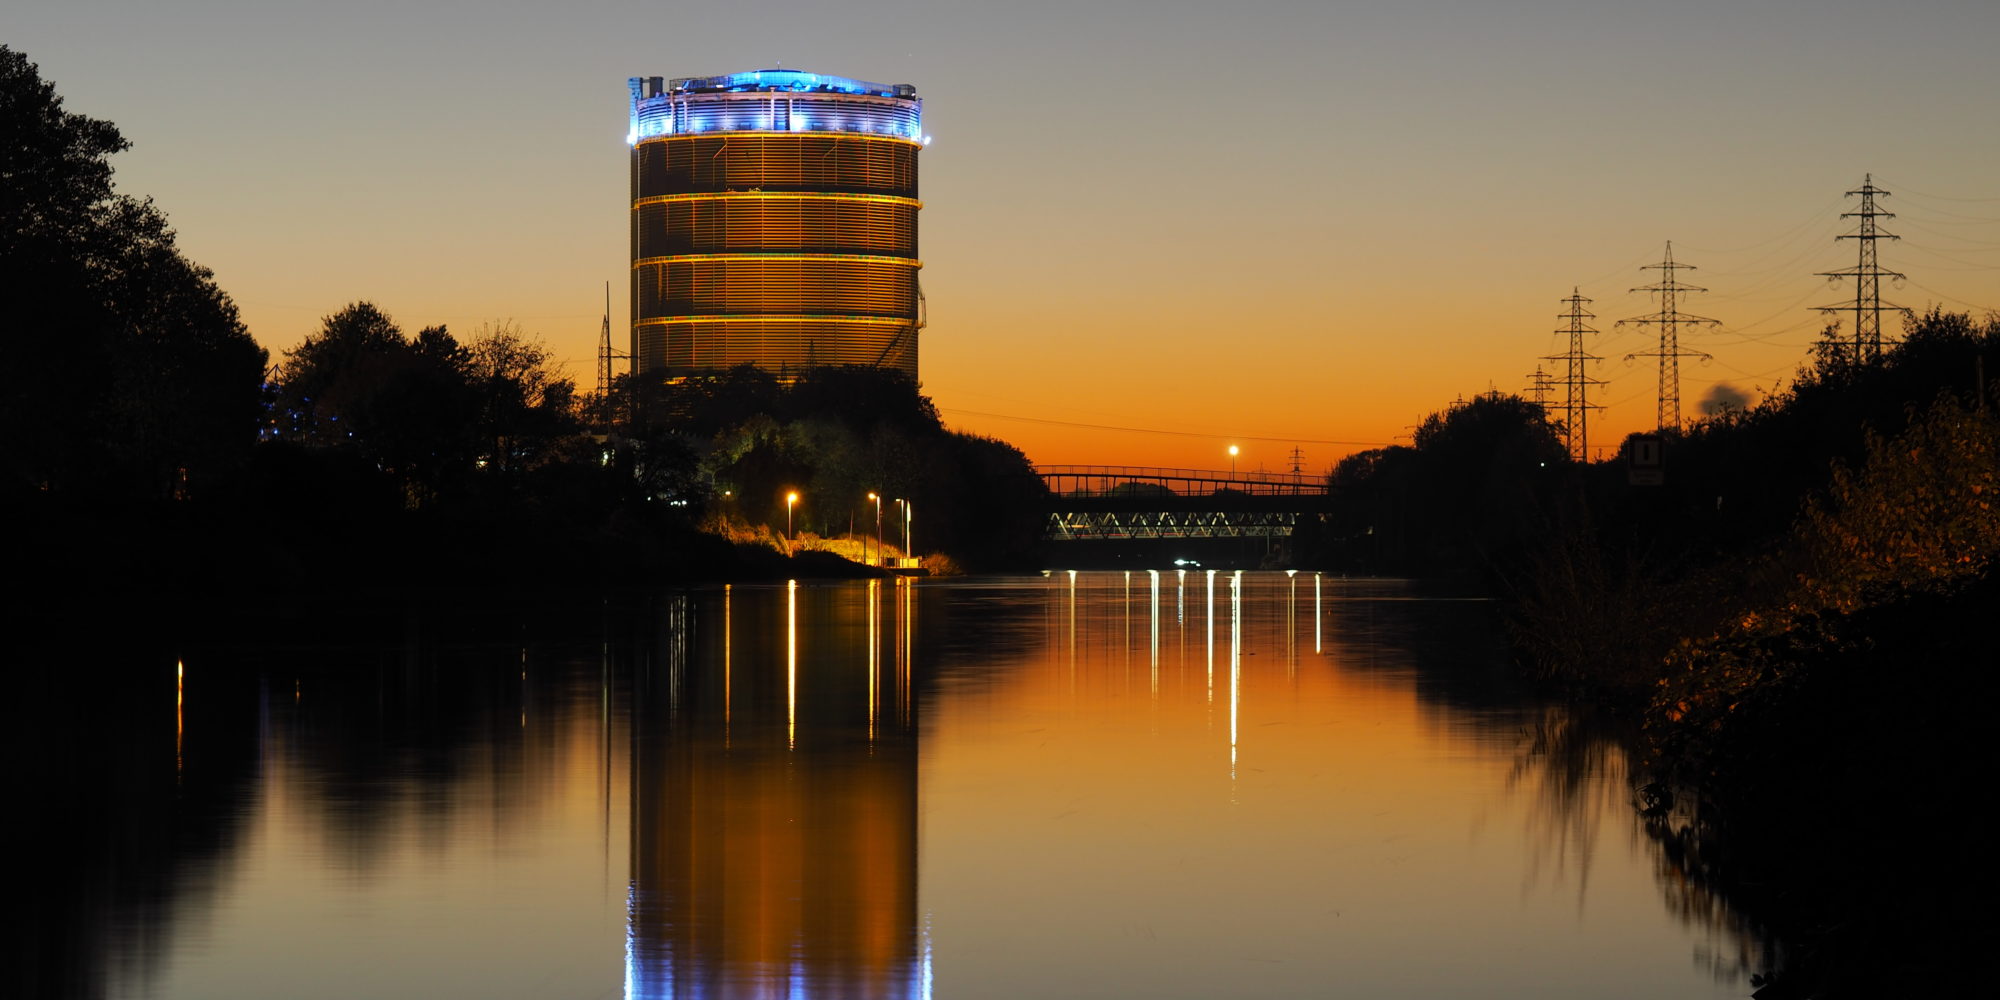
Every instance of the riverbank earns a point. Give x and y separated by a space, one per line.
1827 776
1810 688
172 558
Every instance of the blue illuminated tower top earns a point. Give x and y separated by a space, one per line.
773 100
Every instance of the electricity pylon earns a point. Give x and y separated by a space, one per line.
1538 387
1867 274
1576 405
605 356
1669 319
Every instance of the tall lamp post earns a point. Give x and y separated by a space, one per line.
1232 461
791 500
877 497
907 507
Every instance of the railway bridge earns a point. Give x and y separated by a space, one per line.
1147 509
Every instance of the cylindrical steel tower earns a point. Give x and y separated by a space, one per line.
774 222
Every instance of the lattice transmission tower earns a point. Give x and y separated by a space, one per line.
1576 382
605 356
1669 319
1537 389
1867 274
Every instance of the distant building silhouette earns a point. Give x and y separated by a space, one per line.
774 222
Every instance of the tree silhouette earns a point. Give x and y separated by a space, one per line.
145 383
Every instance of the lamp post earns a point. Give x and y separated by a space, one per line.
877 497
1232 461
791 500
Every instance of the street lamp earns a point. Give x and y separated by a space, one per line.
877 497
791 500
1232 461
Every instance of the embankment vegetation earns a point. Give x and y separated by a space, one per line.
1798 620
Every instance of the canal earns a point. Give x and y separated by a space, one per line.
1102 784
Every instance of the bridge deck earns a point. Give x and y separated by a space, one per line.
1135 502
1137 481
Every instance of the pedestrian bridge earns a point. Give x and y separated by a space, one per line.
1115 502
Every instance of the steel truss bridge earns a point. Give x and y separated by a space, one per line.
1106 502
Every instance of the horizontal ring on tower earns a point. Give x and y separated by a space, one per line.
667 225
755 162
783 345
814 257
845 196
802 318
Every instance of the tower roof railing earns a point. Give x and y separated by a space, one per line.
797 81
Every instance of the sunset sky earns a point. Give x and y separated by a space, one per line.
1151 229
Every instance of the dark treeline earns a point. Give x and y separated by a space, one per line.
1797 619
1466 498
152 444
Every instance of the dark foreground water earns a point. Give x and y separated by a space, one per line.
1099 786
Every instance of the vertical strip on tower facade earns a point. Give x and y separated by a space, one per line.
774 223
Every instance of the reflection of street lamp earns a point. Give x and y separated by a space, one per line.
877 497
1232 461
905 505
791 500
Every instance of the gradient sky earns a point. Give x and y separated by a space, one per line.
1260 222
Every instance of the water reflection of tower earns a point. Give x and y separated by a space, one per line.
774 800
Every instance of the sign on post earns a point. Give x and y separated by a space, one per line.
1643 465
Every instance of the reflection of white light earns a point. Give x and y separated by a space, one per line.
1235 661
925 989
1211 636
1154 576
631 935
874 652
791 663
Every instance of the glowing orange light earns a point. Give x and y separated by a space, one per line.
880 199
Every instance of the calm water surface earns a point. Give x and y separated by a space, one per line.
1099 786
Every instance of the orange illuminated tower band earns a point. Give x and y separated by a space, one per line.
774 223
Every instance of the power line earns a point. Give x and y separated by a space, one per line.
1941 197
1818 215
1951 298
1155 430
